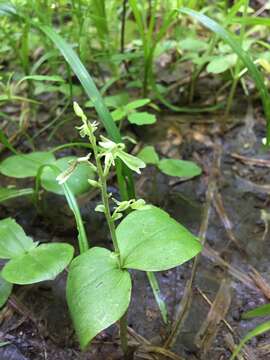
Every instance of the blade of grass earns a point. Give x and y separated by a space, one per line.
10 193
72 203
157 294
232 40
260 329
4 140
249 20
263 310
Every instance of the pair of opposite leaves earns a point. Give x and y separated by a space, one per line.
98 289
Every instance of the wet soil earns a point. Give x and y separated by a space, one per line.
35 322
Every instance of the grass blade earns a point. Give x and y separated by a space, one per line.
157 294
260 329
263 310
10 193
232 40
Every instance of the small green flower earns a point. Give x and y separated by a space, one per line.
111 151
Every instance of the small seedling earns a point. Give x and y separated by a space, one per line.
172 167
123 109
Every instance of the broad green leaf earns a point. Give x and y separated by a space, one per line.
119 114
13 240
234 43
42 263
180 168
141 118
113 101
77 182
137 104
192 44
263 310
220 64
10 193
151 240
260 329
5 291
27 165
148 155
98 292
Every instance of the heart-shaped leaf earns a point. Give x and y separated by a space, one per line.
5 291
180 168
151 240
44 262
13 240
98 292
77 182
25 165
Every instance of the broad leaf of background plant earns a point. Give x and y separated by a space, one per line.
25 165
180 168
141 118
244 56
77 182
151 240
98 292
10 193
148 155
42 263
5 291
13 240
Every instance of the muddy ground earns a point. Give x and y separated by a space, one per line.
223 205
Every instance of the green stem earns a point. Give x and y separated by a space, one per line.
104 194
237 66
123 333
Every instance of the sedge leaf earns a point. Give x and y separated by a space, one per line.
98 292
10 193
260 329
263 310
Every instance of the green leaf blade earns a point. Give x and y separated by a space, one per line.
150 240
5 291
149 155
141 118
25 165
180 168
77 182
98 292
13 240
44 262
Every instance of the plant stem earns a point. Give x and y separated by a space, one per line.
123 333
237 66
104 195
